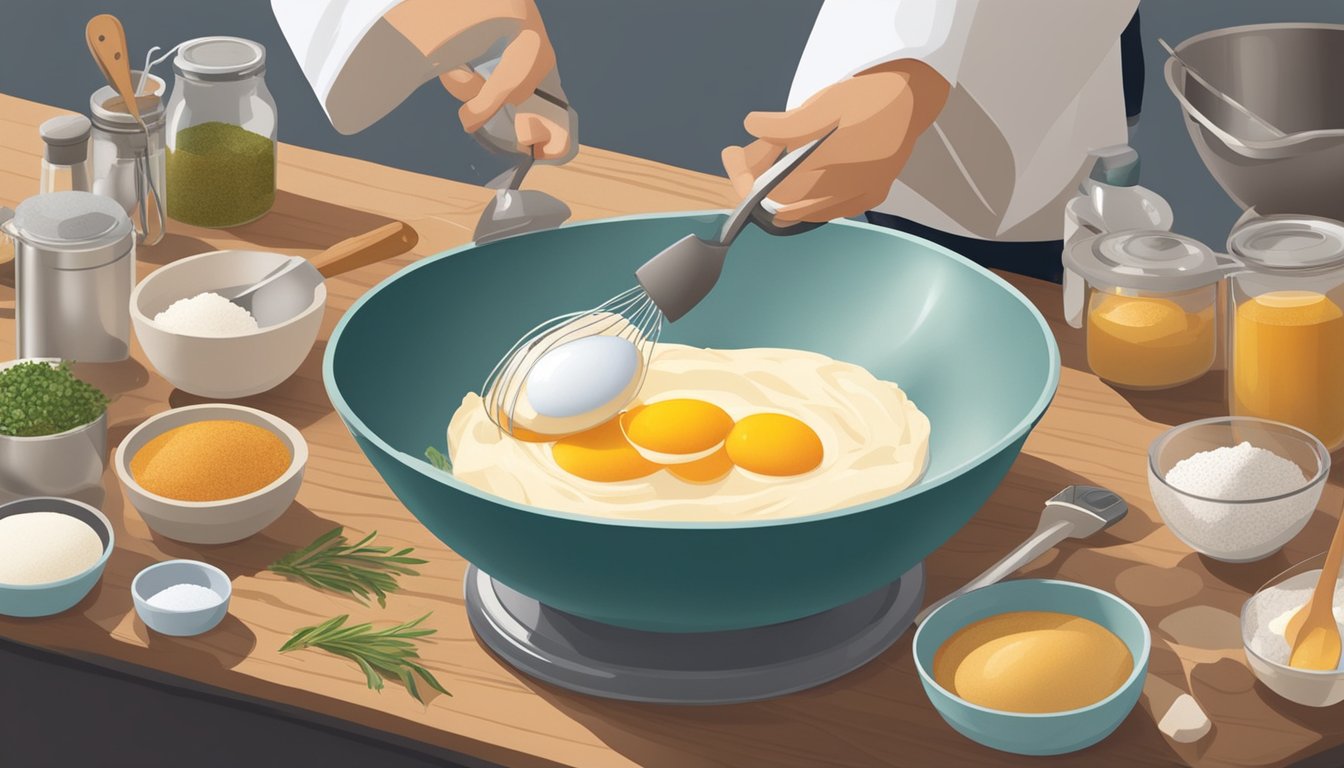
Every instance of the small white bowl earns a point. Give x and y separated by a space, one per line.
1236 531
213 522
1312 688
53 465
160 576
227 367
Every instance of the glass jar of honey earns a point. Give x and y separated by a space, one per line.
1286 319
1148 299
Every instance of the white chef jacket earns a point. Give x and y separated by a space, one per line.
361 67
1035 86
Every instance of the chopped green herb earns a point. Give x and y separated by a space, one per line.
38 399
220 175
439 460
356 569
382 652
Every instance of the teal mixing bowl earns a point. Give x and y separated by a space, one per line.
1053 733
970 350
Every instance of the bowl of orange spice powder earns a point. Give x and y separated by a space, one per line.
211 474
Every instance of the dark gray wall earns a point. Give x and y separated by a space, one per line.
664 79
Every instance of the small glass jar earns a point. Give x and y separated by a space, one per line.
1286 315
1150 306
221 134
118 154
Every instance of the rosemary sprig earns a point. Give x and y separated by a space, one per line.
378 652
353 569
438 459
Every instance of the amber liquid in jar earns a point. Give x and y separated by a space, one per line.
1148 342
1288 362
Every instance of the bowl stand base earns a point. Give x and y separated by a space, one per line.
689 668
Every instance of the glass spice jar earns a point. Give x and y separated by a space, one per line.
221 134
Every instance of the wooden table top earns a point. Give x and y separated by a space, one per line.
876 715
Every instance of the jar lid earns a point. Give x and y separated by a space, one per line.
1148 259
219 59
1288 242
66 139
79 220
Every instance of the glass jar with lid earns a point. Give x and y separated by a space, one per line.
1148 299
124 161
221 133
1286 318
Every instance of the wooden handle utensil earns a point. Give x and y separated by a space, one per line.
1312 632
385 242
107 43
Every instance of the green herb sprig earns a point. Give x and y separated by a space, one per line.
356 569
378 652
38 399
438 459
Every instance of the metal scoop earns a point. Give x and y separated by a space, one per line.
513 211
288 290
1074 513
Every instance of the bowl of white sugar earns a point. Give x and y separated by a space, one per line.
1236 488
181 597
52 553
204 344
1264 622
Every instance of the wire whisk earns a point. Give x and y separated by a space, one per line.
631 315
669 285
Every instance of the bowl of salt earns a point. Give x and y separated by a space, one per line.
181 597
1264 623
1236 488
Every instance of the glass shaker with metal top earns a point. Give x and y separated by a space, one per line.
65 154
1287 324
221 133
74 269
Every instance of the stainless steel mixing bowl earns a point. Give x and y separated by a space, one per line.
1288 74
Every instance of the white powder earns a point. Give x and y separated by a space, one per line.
1236 474
1269 612
185 597
42 547
206 314
1236 532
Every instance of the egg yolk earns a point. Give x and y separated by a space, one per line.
707 470
773 444
677 427
602 454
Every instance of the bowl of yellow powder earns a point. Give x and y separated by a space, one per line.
52 553
211 474
1034 666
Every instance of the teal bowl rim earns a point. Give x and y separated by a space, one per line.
96 567
1140 663
924 484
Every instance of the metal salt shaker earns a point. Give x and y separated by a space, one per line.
74 268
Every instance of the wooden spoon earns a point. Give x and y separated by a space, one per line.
107 43
1312 632
381 244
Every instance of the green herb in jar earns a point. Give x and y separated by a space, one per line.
38 399
220 175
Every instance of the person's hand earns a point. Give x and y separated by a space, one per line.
877 116
526 61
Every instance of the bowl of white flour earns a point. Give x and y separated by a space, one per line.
1264 620
1235 488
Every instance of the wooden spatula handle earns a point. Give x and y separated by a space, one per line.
385 242
107 43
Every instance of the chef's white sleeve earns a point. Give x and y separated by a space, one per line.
850 36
